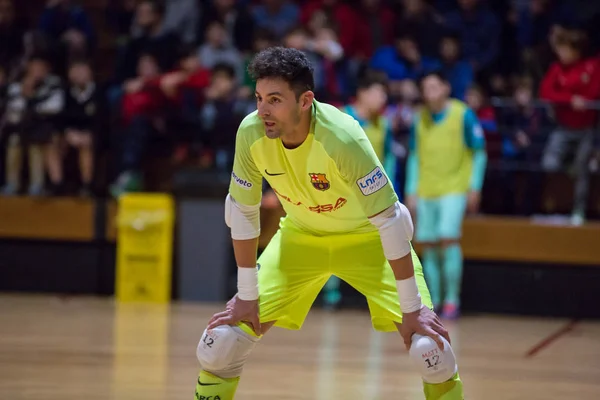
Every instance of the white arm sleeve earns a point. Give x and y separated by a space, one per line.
396 230
244 221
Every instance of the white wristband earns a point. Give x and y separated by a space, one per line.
408 292
247 283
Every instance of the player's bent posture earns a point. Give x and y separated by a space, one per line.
343 218
445 173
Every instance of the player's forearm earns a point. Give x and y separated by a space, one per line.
245 252
479 166
403 267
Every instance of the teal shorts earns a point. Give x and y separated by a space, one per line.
440 218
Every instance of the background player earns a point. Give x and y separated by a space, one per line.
371 98
445 173
343 218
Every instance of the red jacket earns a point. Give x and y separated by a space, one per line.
562 82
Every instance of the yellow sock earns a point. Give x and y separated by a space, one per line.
211 387
452 389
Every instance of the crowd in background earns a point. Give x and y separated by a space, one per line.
178 85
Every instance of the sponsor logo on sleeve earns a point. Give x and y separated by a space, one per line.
243 183
372 182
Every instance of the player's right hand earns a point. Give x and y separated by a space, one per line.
424 322
237 311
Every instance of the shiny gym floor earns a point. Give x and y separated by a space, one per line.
81 348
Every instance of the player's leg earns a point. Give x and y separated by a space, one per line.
365 268
426 234
290 277
452 212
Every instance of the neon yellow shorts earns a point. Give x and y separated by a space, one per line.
295 266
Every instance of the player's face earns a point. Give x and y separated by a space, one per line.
278 107
435 90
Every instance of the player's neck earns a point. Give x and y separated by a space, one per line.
300 133
439 107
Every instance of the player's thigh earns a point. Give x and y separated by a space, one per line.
363 266
452 214
292 271
426 229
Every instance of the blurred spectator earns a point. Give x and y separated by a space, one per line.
423 21
318 13
217 50
403 60
33 107
220 117
71 29
181 17
375 27
277 15
84 119
570 84
12 33
263 38
236 18
479 32
120 16
522 129
458 71
154 39
534 25
402 109
142 112
477 100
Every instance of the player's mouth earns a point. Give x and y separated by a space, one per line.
269 124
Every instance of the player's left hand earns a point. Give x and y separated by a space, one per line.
473 200
424 322
238 310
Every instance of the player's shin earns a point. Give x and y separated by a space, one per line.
222 353
438 369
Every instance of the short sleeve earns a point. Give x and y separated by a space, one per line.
474 136
246 181
359 166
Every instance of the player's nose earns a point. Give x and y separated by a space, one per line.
263 110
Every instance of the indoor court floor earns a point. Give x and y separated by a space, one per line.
81 348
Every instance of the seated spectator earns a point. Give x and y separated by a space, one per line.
322 12
570 85
181 18
33 106
217 50
477 100
237 19
70 27
263 38
374 28
458 71
154 39
479 32
403 60
279 16
142 115
220 117
423 21
84 119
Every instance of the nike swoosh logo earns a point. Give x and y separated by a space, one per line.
207 384
267 172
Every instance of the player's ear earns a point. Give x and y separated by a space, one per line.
306 100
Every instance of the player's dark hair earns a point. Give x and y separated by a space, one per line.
435 73
291 65
370 78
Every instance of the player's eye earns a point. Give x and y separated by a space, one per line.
274 100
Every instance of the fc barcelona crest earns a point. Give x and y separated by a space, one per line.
319 181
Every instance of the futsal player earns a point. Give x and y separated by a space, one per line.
445 173
371 98
343 218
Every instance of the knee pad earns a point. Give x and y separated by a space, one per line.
434 365
223 350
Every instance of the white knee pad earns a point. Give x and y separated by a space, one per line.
435 365
223 350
